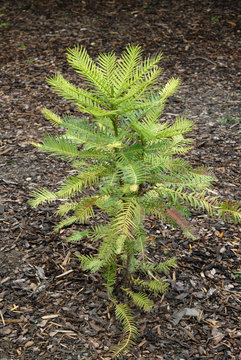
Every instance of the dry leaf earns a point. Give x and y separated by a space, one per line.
217 335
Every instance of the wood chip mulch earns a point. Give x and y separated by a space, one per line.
49 308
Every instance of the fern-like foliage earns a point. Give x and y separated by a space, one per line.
127 164
124 315
140 299
155 286
164 267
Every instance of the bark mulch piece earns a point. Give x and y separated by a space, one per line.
49 308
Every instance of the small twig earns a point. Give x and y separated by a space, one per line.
64 274
201 57
27 114
6 151
9 321
9 182
51 316
2 318
151 275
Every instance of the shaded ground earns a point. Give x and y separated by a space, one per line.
49 309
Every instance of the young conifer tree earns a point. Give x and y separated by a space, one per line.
133 160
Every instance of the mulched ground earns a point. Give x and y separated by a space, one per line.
49 308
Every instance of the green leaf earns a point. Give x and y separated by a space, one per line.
53 118
74 185
120 242
83 131
140 299
79 59
156 286
125 223
90 263
78 236
84 99
169 88
107 65
109 274
181 126
66 222
59 147
230 211
41 196
124 315
123 75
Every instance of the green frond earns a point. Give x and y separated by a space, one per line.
143 77
121 347
153 117
155 286
130 105
53 118
66 222
149 197
125 221
181 126
41 196
111 179
158 148
86 100
84 131
120 243
109 274
170 88
157 210
180 149
196 200
140 241
132 173
114 190
74 185
99 232
131 153
181 181
84 210
124 315
179 165
230 211
167 265
109 204
107 65
158 286
145 267
140 299
164 267
90 262
78 236
59 147
123 75
107 249
79 59
104 122
157 163
147 130
65 208
99 155
137 89
153 204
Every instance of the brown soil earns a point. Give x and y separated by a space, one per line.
49 308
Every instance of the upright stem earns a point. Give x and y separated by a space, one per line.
127 274
114 120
